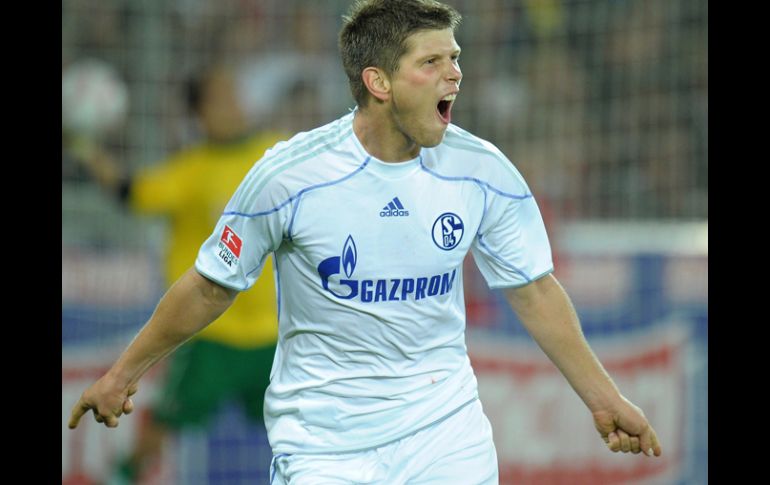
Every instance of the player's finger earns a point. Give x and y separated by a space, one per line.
645 442
635 448
128 406
656 448
648 440
98 417
111 421
77 412
625 442
613 442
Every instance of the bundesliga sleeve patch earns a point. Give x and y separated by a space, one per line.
229 247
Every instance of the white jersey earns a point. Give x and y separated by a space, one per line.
368 259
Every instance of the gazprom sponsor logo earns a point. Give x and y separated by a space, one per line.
377 290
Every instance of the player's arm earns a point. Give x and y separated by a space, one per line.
187 307
548 315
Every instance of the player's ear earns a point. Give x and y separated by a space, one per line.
377 82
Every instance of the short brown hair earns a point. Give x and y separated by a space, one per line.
374 33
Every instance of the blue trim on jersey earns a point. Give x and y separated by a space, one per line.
262 213
297 196
459 179
475 180
319 186
272 465
277 285
217 280
261 262
503 261
296 153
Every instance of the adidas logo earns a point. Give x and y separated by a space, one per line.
394 209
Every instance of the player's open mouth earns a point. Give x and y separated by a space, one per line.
444 107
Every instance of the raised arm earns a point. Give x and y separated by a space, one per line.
187 307
548 315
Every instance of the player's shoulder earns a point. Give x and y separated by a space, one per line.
464 154
304 160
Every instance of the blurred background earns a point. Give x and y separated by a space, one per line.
602 106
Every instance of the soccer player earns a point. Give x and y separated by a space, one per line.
369 219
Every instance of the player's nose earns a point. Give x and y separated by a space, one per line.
454 74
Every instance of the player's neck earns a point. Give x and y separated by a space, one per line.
380 137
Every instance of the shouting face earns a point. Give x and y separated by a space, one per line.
424 86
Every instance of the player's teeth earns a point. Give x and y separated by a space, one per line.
449 97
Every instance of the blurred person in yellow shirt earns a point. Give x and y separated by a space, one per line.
232 357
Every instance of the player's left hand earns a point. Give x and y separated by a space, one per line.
625 429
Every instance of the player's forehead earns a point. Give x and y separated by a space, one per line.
431 42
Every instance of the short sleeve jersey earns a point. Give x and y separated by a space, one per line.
191 188
369 259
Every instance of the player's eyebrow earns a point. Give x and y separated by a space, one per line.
455 52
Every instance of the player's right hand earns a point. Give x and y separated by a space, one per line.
107 403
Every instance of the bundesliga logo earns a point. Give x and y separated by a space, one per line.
229 247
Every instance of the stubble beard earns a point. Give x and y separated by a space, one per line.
413 132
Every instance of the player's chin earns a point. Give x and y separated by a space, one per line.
432 142
433 137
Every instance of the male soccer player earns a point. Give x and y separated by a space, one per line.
369 219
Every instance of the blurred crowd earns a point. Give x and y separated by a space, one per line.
602 105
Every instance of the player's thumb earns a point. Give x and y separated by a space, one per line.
128 404
633 423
